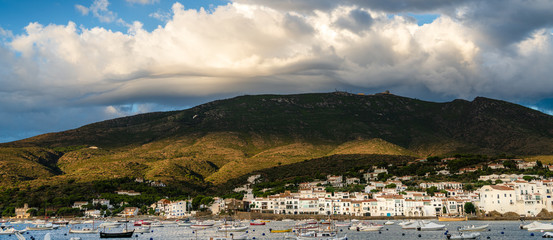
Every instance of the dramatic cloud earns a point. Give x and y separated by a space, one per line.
249 47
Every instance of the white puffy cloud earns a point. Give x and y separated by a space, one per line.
245 48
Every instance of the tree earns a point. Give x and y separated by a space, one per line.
391 185
431 190
470 208
511 164
32 212
528 178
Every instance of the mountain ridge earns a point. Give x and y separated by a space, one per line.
226 139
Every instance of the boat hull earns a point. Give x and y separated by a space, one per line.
116 235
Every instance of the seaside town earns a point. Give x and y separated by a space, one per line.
525 195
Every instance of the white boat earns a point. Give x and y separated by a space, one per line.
318 236
431 227
403 223
366 227
19 236
473 228
40 227
411 225
88 221
73 222
534 224
83 231
389 223
201 225
232 228
75 238
156 224
547 235
184 224
18 222
464 235
342 224
10 231
142 230
542 228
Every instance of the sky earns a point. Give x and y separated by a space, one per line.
64 64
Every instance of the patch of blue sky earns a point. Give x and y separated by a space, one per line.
424 18
16 15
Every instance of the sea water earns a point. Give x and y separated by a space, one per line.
497 230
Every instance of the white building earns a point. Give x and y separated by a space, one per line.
179 209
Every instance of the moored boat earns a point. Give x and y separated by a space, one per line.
473 228
366 227
142 230
281 231
232 228
257 223
41 227
430 227
10 231
116 234
83 231
547 235
201 225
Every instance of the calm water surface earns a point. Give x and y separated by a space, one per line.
498 230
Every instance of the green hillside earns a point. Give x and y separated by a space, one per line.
226 139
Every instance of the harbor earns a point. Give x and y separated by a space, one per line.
277 230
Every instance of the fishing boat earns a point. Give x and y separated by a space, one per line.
84 230
473 228
464 235
116 234
265 221
389 223
257 223
452 219
124 234
281 231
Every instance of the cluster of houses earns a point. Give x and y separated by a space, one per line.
390 198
